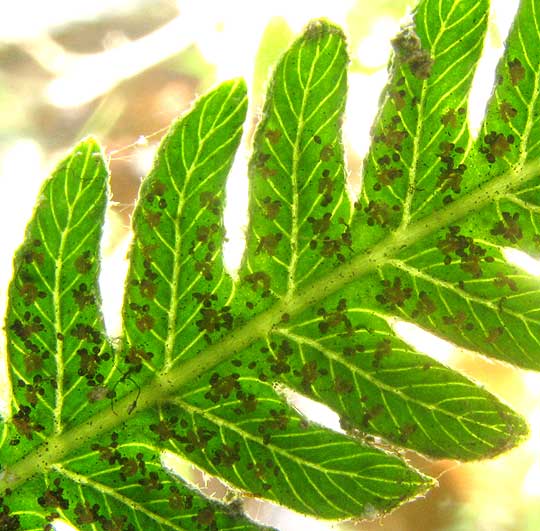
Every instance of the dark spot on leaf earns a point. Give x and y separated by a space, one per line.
24 424
267 172
97 393
259 279
421 64
206 517
204 234
152 482
53 498
459 245
333 319
158 188
371 413
459 320
83 263
147 288
508 228
394 294
153 218
214 320
30 293
406 431
271 208
135 358
449 118
409 50
227 455
387 176
31 256
278 360
393 138
87 333
516 70
32 390
321 225
424 306
83 297
204 267
273 136
494 334
87 514
506 111
309 374
178 501
165 429
383 348
326 188
496 145
145 323
502 280
211 201
398 96
342 386
29 328
33 362
8 522
269 243
278 421
222 387
378 213
327 152
206 299
351 350
196 441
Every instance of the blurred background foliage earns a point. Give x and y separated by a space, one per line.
123 69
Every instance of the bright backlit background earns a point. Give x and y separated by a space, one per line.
123 69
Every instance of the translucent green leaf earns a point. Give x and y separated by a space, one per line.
176 264
238 428
60 359
420 138
205 361
119 486
298 202
457 282
509 136
345 354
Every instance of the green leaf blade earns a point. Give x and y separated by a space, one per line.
346 355
127 489
420 137
241 430
176 271
462 289
298 154
202 376
508 139
510 130
59 355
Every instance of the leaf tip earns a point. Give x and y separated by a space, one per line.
90 142
416 484
516 431
320 27
235 84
